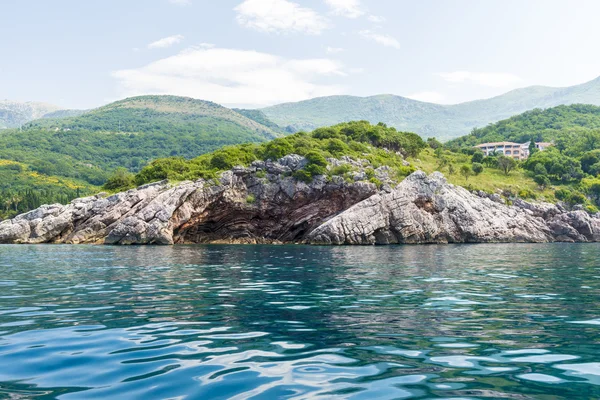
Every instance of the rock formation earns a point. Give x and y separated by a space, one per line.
265 204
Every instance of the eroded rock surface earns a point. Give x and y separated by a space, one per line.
264 204
425 209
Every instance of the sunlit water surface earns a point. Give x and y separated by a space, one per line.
269 322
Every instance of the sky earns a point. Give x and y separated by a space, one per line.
255 53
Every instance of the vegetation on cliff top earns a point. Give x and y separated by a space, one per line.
378 144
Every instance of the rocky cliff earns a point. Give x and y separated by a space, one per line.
264 204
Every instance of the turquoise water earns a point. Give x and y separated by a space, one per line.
269 322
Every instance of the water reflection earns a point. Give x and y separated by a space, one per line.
264 322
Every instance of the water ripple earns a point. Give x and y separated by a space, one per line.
267 322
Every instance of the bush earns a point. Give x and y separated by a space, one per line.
337 148
316 158
434 143
376 181
562 194
478 157
465 171
542 180
314 170
121 179
303 175
527 194
477 168
342 169
539 169
250 199
277 149
229 157
576 198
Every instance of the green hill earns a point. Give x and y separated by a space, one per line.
427 119
550 125
128 133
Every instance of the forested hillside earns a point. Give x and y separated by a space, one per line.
559 124
427 119
126 134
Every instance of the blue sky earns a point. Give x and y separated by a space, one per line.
82 54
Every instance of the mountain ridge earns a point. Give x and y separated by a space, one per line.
429 119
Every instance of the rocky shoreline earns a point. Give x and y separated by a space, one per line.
263 203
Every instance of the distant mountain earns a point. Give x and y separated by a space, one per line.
442 121
127 133
163 114
13 113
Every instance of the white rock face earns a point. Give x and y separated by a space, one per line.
425 209
272 207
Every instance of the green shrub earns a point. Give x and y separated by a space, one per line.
577 198
376 181
337 148
303 175
477 157
542 180
277 149
314 170
316 158
562 194
120 180
250 199
340 170
527 194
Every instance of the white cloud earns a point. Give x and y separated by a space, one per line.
230 76
346 8
166 42
498 80
429 97
181 2
333 50
279 16
376 19
384 40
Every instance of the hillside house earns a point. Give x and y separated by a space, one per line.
518 151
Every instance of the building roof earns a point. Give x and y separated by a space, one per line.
496 144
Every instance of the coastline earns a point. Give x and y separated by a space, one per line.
263 204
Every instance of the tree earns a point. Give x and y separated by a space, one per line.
477 168
539 169
594 190
532 147
478 157
542 180
506 164
490 161
434 143
465 171
119 180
